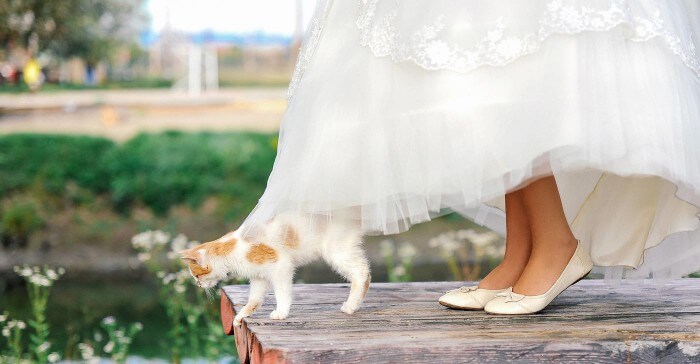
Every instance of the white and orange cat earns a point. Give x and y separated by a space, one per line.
287 241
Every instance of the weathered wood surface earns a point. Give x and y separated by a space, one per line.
402 323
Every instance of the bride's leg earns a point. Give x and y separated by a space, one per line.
553 243
518 245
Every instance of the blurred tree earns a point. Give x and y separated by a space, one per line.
89 29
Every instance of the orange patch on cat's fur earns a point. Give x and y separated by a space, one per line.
197 269
223 247
291 238
261 253
369 278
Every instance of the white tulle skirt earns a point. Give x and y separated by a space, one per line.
401 111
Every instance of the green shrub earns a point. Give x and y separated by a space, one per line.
51 162
155 170
164 170
18 220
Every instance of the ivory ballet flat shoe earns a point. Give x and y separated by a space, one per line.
512 303
469 297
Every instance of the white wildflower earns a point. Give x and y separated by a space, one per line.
26 272
86 351
483 239
43 347
180 288
168 278
138 326
143 241
54 357
399 270
109 347
51 274
179 243
406 252
98 336
434 242
12 323
386 247
21 325
39 280
160 274
143 256
450 246
160 237
183 276
3 318
172 255
6 331
448 242
490 251
119 333
465 234
501 251
109 320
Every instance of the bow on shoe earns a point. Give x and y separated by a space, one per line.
463 289
511 296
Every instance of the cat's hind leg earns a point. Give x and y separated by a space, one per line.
281 279
349 261
255 300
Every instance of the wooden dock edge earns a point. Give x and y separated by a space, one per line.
249 348
668 335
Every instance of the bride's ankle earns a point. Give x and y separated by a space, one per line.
514 262
503 275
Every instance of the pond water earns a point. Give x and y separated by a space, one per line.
78 303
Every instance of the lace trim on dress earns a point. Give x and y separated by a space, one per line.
497 48
307 49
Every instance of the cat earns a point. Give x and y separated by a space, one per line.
287 241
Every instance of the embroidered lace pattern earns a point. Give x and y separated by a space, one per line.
307 50
497 48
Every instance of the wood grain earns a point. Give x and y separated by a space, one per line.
403 323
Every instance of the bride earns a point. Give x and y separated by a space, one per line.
568 126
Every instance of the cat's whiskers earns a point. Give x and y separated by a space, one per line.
209 292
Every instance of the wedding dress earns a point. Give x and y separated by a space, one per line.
403 110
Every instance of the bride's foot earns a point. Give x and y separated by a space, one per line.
497 281
546 264
508 271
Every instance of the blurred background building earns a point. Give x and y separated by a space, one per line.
81 42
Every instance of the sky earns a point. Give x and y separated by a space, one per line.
229 16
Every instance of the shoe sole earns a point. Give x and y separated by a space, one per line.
555 297
459 307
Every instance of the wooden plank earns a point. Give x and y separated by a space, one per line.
402 322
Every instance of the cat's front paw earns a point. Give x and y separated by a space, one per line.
237 321
278 315
349 308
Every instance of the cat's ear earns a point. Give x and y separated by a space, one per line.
194 254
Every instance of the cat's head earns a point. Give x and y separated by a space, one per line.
206 261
